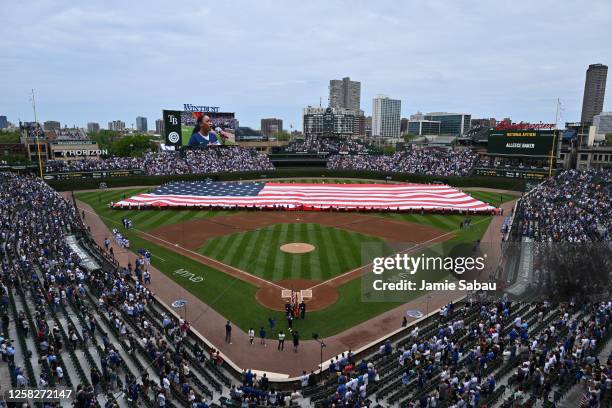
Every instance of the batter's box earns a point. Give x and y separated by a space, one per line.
306 293
286 293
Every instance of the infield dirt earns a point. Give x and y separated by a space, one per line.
185 238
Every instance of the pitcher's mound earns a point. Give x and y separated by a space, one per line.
297 248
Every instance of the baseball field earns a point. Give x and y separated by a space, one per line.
233 262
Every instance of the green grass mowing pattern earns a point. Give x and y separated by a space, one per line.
495 199
229 296
443 222
452 222
144 220
342 315
235 299
336 251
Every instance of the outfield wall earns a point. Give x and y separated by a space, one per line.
142 180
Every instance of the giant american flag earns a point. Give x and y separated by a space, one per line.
307 196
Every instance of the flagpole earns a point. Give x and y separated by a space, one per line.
37 139
552 149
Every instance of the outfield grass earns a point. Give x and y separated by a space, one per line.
234 298
452 222
142 220
336 251
495 199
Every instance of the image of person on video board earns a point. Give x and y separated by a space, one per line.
203 134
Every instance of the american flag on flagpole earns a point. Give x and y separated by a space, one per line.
308 196
294 303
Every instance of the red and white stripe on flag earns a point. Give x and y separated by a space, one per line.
320 196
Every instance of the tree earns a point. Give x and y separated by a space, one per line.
14 159
388 149
131 146
409 136
10 136
282 136
385 149
105 138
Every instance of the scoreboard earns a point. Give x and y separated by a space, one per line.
523 143
512 173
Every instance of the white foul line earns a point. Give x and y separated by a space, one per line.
412 248
194 253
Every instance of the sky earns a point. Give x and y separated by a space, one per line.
98 61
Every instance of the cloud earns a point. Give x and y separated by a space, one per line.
99 61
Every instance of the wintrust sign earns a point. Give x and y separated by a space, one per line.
199 108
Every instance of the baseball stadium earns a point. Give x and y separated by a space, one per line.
224 277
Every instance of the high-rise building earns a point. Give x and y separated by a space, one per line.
345 94
368 126
141 124
603 123
271 126
159 126
3 122
93 127
424 127
594 92
386 116
404 125
360 125
490 122
117 125
51 125
451 123
328 122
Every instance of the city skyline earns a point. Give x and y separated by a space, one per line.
94 63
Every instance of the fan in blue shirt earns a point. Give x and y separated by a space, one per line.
205 136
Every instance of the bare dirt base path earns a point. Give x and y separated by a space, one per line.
193 234
210 324
322 297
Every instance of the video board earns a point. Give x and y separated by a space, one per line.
525 143
181 126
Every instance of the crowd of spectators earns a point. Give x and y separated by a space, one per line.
575 207
71 134
196 161
257 391
479 352
112 163
333 145
33 129
412 160
36 260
